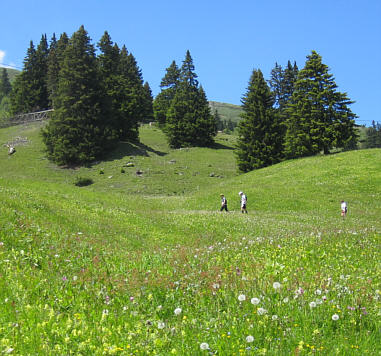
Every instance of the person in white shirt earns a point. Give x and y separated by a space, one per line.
243 202
344 209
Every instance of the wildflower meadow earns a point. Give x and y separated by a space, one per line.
148 265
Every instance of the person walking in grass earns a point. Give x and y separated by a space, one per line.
243 202
224 203
344 209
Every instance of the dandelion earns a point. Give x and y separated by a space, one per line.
312 305
318 292
274 317
276 285
75 278
160 325
204 346
261 311
177 311
254 301
216 285
242 297
335 317
249 338
285 300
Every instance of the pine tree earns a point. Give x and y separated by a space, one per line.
189 120
373 136
76 133
40 74
319 117
260 139
168 85
148 103
5 84
55 58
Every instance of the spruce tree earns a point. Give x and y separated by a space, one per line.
76 133
148 103
189 120
319 117
168 85
260 139
373 136
5 84
55 58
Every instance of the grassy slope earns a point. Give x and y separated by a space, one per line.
227 111
160 239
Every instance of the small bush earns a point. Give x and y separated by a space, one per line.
102 171
82 182
122 170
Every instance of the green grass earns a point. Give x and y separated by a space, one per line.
101 269
227 111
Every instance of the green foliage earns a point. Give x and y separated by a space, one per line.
83 182
189 121
319 117
260 135
77 133
373 136
5 84
168 85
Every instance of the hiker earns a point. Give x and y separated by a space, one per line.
243 202
224 203
344 209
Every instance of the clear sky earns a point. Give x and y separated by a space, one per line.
227 39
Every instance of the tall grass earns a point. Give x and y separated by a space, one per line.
148 265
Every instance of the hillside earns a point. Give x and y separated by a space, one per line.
12 73
226 111
146 264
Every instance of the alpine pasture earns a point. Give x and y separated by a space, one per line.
141 262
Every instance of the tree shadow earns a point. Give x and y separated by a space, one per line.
131 149
220 146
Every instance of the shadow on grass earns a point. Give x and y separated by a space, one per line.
220 146
131 149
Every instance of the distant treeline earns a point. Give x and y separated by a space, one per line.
99 100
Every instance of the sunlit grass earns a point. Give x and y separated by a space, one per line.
138 269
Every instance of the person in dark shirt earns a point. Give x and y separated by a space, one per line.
224 203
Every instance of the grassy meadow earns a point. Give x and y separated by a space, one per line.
145 264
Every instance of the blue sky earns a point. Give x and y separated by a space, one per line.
227 39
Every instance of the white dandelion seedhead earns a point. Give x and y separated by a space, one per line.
261 311
177 311
242 297
204 346
160 325
276 285
249 338
313 305
274 317
254 301
335 317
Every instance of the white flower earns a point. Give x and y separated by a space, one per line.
312 305
249 338
261 311
335 317
178 311
318 292
160 325
204 346
285 300
75 278
216 285
276 285
242 297
274 317
255 301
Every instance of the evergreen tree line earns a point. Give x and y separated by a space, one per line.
182 109
373 136
297 113
5 90
98 100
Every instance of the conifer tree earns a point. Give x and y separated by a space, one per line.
168 85
189 120
148 103
260 139
76 133
319 117
5 84
55 58
24 93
